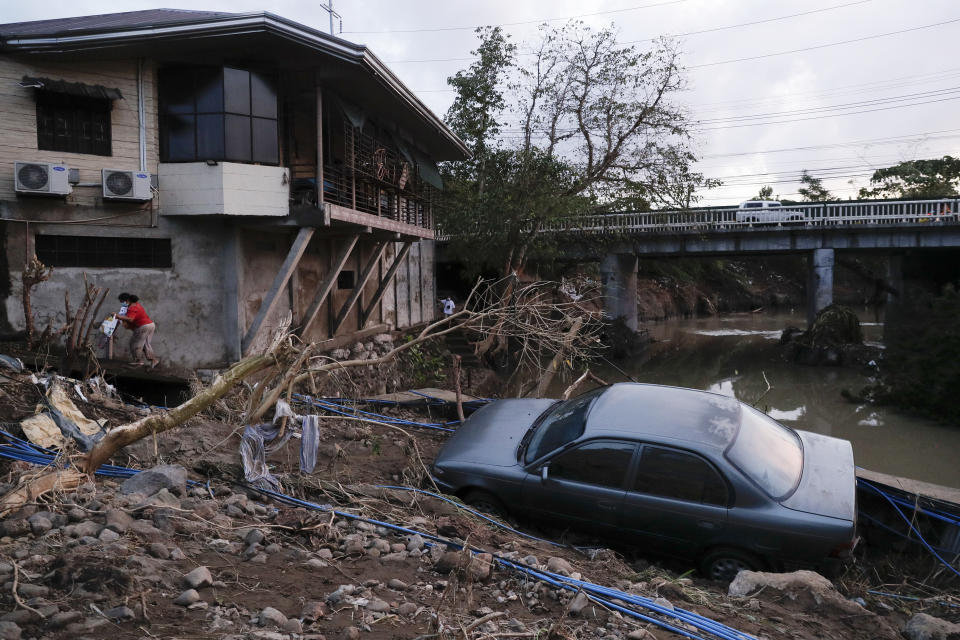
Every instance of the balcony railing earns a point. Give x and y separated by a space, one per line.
374 178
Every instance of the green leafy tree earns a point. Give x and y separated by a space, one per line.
920 179
587 126
813 189
766 193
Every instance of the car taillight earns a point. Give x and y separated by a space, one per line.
845 550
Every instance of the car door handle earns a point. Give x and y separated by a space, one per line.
607 506
706 524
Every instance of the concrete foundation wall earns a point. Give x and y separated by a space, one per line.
186 302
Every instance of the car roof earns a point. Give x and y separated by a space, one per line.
653 411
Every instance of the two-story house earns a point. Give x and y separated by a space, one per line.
227 168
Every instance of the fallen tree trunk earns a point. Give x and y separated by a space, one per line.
554 365
158 423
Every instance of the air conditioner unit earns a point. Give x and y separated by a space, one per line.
126 185
41 178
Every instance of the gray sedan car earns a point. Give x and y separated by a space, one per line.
674 471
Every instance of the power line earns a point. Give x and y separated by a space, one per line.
537 21
784 53
928 135
847 105
824 46
677 35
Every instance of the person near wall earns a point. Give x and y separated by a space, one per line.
448 306
141 341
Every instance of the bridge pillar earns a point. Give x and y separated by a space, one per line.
895 279
618 274
820 282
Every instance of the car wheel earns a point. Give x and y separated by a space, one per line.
724 563
485 503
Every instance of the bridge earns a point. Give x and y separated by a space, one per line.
819 230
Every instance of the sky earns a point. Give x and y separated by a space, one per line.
837 87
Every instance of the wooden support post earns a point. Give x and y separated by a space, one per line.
279 283
320 150
358 289
384 283
327 285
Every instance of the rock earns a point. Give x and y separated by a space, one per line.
394 557
811 589
63 618
313 610
580 602
639 634
316 563
168 476
351 633
378 606
32 590
108 535
293 626
158 550
187 598
14 528
449 561
271 616
120 613
198 578
415 543
162 498
9 631
925 627
480 566
407 609
397 585
531 561
76 514
39 524
146 530
559 565
273 548
118 520
254 536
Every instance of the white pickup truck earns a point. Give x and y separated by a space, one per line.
767 212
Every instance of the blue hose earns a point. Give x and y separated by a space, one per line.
340 410
910 524
28 452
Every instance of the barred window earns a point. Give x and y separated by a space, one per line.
96 251
72 123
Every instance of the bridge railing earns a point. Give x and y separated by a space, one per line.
832 214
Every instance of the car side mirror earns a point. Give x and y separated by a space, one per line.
543 473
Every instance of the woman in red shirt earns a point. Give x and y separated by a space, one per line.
141 342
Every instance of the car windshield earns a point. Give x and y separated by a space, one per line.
562 424
768 452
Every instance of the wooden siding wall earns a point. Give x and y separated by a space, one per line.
18 120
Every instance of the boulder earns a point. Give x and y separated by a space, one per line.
168 476
198 578
808 589
9 631
926 627
187 598
272 616
559 565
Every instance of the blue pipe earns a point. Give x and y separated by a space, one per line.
910 524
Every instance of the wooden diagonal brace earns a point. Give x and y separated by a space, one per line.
346 248
360 284
387 277
279 284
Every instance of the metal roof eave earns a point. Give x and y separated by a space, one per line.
239 25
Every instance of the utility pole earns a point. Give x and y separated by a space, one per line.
329 9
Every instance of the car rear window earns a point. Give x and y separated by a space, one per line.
562 424
768 452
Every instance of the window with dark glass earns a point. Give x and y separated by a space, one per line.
97 251
218 113
677 474
72 123
601 463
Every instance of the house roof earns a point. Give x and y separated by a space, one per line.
104 21
138 33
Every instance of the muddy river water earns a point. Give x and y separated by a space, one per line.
738 355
